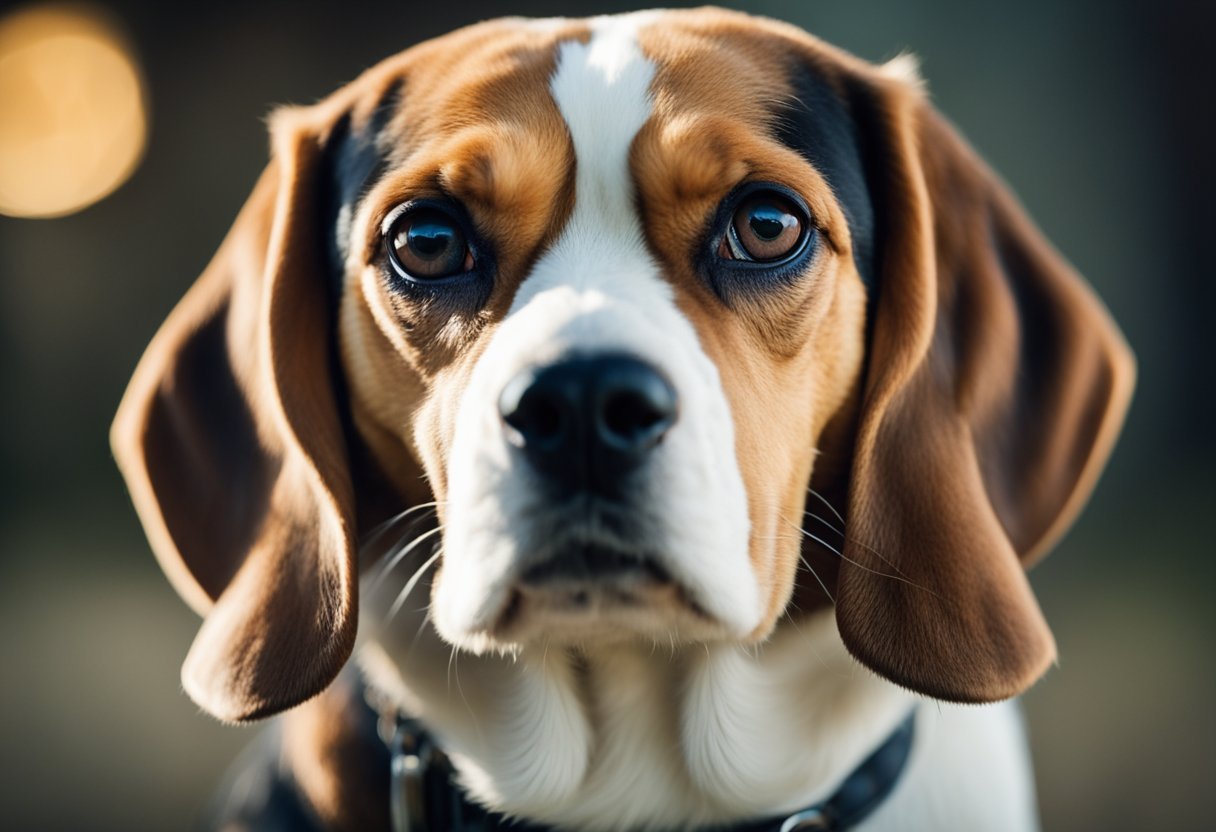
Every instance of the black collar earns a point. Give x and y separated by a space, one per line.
261 791
425 798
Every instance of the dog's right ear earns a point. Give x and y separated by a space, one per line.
233 451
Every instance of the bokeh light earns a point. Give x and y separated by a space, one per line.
73 120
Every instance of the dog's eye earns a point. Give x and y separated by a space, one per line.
428 244
766 228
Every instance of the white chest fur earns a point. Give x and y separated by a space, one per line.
640 737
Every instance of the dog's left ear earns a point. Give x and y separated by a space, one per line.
231 444
995 387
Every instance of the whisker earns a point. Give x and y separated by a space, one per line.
831 508
865 546
781 536
376 532
815 574
409 587
859 565
451 658
382 572
824 522
426 619
465 699
790 609
843 525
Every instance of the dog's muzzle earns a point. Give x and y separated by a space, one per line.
587 427
585 499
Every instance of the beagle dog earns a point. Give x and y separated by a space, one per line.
661 406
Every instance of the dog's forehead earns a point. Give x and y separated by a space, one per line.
483 105
736 64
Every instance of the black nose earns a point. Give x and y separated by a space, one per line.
586 422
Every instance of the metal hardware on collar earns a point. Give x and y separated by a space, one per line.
412 753
805 821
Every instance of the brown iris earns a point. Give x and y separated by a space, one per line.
766 228
427 244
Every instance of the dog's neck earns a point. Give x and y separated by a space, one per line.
632 736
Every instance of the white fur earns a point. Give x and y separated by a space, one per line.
627 735
969 770
904 67
597 290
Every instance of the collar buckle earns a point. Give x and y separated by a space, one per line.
412 754
808 820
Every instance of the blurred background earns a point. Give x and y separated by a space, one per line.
130 134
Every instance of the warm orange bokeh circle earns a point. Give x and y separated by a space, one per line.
72 111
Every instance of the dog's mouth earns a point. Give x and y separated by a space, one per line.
596 592
594 562
581 569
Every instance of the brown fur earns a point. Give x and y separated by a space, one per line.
787 364
965 440
345 783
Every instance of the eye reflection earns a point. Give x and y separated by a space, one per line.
766 227
428 244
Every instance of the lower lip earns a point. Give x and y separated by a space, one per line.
596 564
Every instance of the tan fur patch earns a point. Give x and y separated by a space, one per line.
486 135
790 360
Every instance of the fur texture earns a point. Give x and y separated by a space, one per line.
874 437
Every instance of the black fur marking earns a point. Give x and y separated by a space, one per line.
352 164
819 126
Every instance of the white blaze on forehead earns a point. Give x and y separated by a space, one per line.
602 89
598 290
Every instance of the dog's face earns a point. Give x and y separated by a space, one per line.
623 322
604 291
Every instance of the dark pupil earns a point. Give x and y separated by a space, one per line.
768 221
430 239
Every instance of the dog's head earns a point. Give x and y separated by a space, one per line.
611 293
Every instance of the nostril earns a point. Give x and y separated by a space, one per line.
636 414
538 418
628 413
536 409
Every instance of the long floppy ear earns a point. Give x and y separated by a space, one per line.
233 451
995 387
